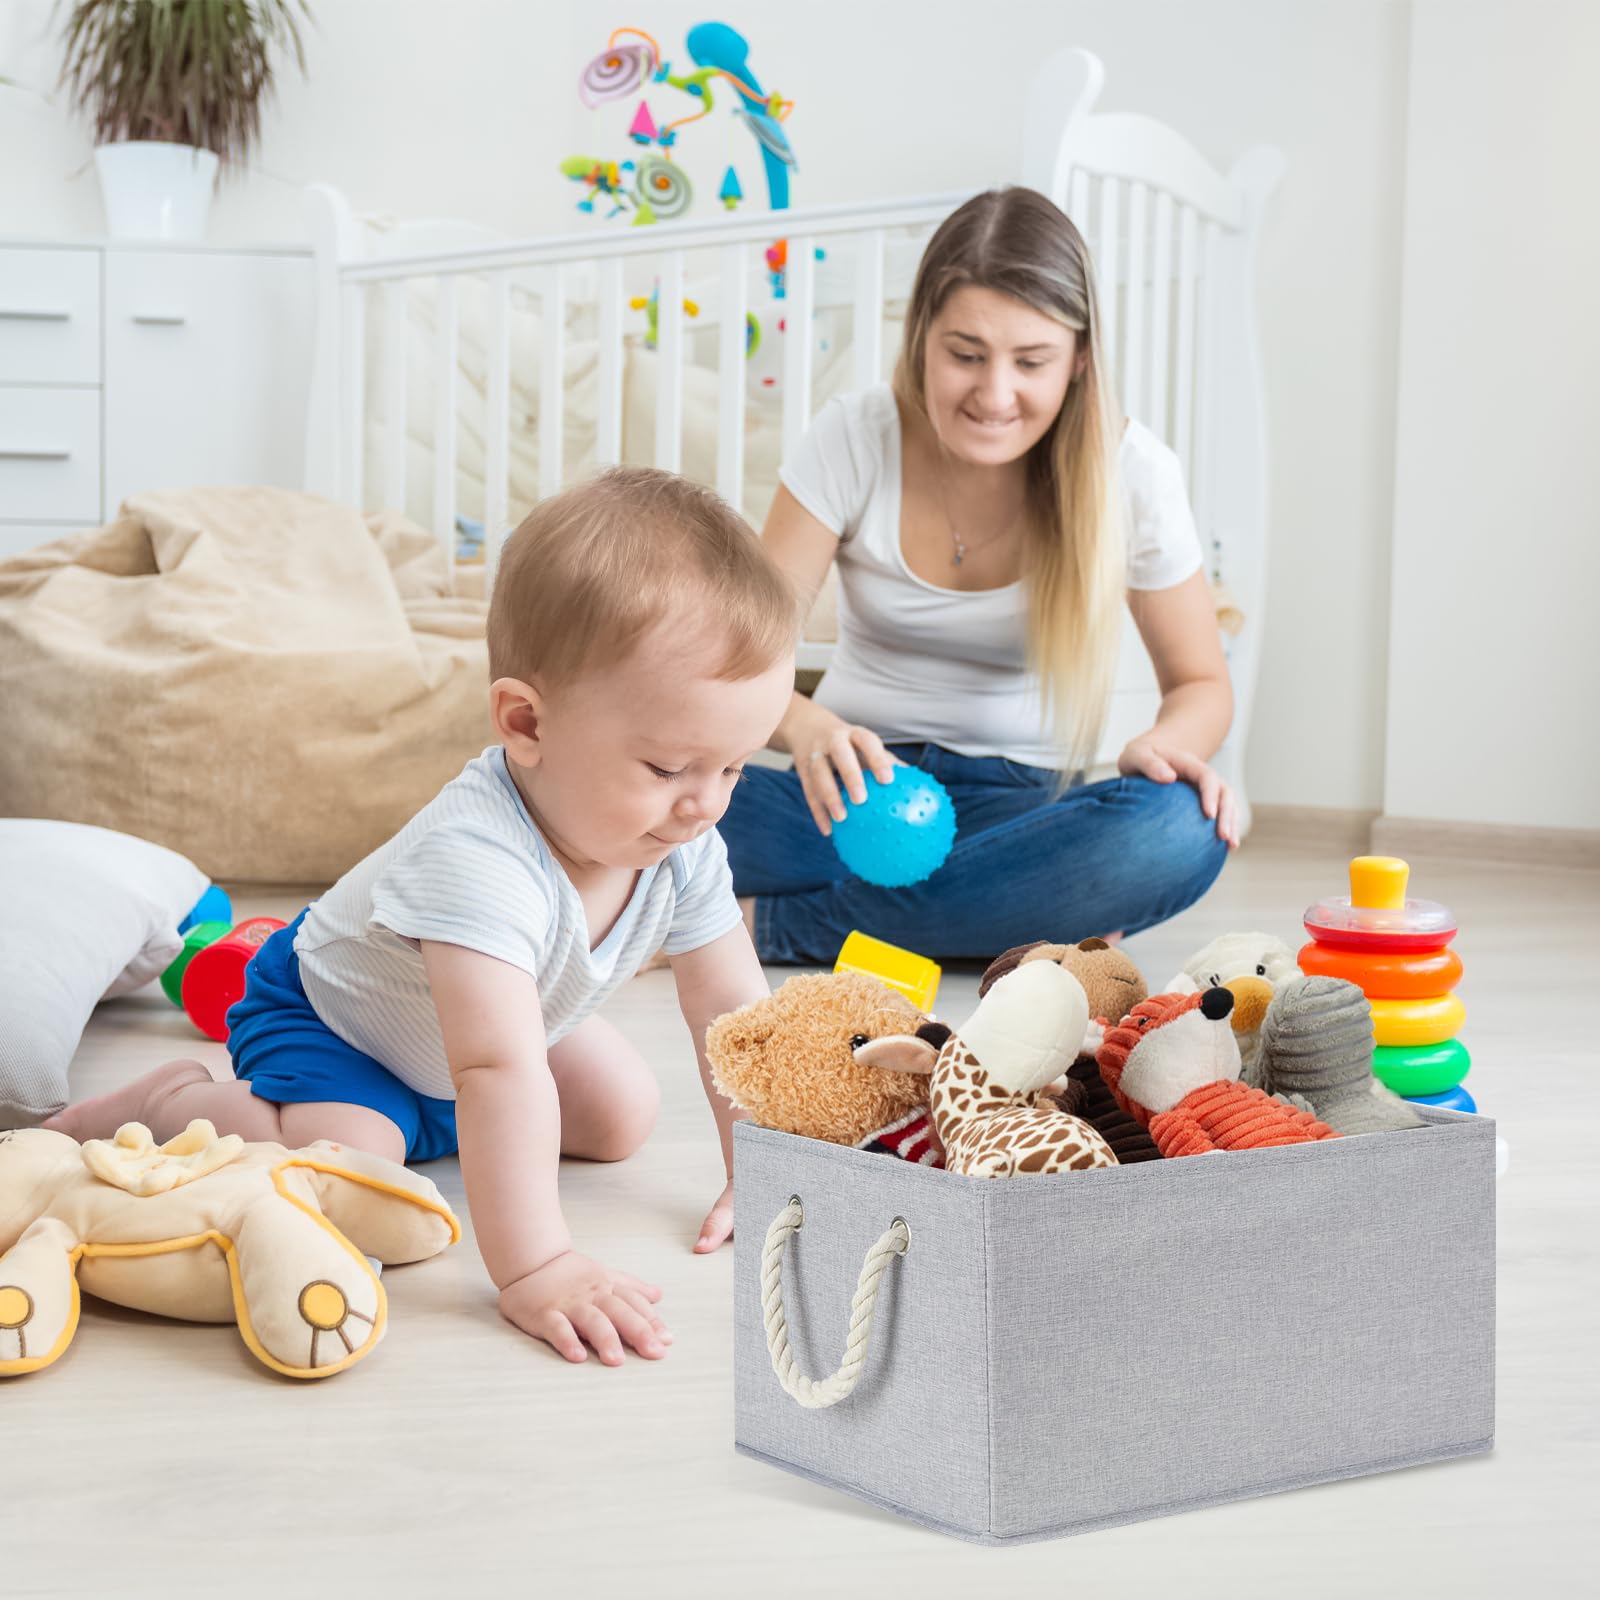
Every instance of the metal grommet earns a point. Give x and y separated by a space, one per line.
907 1226
799 1222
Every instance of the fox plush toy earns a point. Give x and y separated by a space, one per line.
1173 1064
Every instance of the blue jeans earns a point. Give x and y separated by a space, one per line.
1123 855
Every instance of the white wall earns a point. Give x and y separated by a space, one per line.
1494 650
418 107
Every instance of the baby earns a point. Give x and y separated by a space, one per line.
442 992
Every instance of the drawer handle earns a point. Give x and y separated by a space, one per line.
11 315
160 319
33 455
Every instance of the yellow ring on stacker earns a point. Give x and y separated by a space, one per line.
1430 1021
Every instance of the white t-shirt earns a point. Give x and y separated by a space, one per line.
471 869
917 662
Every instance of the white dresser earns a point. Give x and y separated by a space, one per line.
130 367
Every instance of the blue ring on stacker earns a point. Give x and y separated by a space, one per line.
1456 1099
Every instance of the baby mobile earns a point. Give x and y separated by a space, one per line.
653 187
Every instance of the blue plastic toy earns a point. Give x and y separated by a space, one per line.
901 833
212 906
1456 1099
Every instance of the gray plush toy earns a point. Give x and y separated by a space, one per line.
1316 1049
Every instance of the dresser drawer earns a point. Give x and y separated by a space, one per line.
50 455
222 342
49 315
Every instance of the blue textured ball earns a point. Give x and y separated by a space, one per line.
902 831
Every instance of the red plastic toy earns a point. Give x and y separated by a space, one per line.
214 978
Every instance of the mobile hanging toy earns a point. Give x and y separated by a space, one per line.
654 187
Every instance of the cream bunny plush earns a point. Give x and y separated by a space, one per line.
1253 967
207 1230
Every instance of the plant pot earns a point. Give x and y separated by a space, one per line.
154 190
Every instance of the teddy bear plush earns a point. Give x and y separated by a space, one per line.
207 1230
1113 986
789 1060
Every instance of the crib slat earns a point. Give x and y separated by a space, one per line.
552 373
866 328
444 419
1205 343
1183 382
1078 207
1161 318
394 395
353 433
730 377
1107 266
669 363
800 294
608 425
1133 319
497 419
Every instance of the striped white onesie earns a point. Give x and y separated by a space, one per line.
471 869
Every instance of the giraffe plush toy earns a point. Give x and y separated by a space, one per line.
987 1074
1173 1062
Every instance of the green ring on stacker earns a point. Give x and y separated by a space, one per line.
1421 1068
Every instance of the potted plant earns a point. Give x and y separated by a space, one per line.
173 87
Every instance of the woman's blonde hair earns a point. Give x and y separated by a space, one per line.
589 572
1016 242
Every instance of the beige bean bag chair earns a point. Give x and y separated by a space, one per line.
258 678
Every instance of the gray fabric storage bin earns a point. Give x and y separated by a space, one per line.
1057 1354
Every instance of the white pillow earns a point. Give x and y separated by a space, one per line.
85 913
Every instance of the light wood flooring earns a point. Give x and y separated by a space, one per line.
462 1459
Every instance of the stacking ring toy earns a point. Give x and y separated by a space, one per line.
1385 974
1406 1022
1421 1069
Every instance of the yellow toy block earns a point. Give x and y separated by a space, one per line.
916 977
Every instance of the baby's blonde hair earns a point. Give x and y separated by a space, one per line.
588 573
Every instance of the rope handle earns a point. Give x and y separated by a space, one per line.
815 1393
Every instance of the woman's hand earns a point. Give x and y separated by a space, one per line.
1151 757
830 752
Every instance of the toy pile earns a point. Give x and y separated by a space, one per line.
1069 1063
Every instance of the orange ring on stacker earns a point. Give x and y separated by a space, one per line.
1405 1022
1385 974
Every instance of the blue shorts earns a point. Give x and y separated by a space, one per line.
289 1055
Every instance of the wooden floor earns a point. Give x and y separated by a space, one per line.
462 1459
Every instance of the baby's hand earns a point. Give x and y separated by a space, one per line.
718 1226
571 1299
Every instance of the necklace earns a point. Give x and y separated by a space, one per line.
960 548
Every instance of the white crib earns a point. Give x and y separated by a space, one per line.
1174 243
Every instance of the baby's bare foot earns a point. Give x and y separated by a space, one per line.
138 1101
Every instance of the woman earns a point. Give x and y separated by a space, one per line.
990 517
